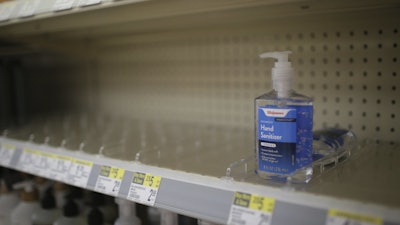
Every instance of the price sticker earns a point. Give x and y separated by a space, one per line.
61 5
59 166
79 172
109 180
251 209
28 8
144 188
338 217
6 153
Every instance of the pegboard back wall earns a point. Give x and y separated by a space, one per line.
212 76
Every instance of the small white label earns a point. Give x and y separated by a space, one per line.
28 8
144 188
32 161
6 9
338 217
251 209
79 172
63 5
109 180
6 153
59 167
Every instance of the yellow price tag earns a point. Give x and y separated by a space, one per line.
262 203
82 162
47 155
251 209
242 199
31 151
63 158
152 181
8 146
364 219
116 173
252 201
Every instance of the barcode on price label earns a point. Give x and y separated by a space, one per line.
144 188
6 153
109 180
338 217
251 209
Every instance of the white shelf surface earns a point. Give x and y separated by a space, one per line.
113 17
211 197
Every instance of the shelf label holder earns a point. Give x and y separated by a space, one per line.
251 209
144 188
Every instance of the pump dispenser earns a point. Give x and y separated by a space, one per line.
283 122
28 205
282 73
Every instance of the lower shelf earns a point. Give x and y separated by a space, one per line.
336 196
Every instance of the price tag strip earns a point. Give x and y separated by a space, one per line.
109 180
58 167
337 217
144 188
6 153
251 209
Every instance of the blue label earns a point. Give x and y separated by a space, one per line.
284 138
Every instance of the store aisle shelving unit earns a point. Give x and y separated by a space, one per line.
197 63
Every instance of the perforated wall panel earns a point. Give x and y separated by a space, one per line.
213 75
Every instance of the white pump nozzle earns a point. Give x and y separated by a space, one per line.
280 56
282 72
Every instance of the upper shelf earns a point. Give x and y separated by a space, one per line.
86 17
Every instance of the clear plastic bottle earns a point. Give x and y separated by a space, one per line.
127 213
283 127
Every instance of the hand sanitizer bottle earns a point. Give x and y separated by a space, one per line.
283 127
